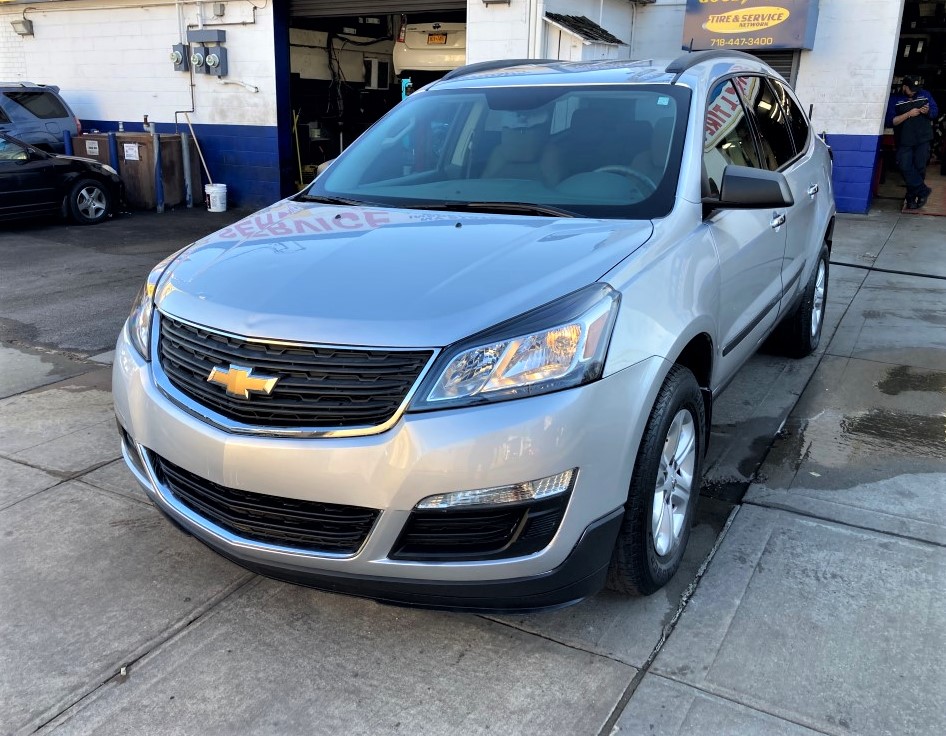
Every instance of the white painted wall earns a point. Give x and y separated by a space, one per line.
111 62
658 30
500 31
518 31
847 75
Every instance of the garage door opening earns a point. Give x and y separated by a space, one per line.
347 70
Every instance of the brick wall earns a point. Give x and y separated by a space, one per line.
12 66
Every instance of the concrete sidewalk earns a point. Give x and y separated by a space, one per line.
819 609
823 607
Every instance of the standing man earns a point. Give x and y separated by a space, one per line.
911 113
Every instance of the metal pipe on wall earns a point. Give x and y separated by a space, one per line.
158 173
186 162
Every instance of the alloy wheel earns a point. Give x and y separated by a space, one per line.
674 483
817 306
91 203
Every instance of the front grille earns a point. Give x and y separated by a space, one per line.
307 525
490 533
321 387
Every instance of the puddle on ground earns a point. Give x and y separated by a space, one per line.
929 316
872 441
902 378
891 432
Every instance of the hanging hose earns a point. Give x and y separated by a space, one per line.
295 136
197 144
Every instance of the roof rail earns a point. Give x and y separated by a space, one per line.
486 66
679 65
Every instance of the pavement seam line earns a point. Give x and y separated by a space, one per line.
70 705
69 434
553 640
144 501
78 475
890 270
817 517
755 708
688 592
885 362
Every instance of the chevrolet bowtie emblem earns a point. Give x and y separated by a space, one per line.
239 382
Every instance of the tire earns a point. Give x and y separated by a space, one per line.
657 518
799 334
89 202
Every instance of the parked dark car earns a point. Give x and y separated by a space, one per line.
33 182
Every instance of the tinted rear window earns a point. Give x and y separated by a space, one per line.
42 104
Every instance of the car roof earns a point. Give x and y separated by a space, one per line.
28 85
691 70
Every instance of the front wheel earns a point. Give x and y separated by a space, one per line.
89 202
664 489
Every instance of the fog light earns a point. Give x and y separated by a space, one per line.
531 490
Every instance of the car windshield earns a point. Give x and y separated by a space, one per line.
588 151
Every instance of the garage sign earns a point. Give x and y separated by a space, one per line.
753 25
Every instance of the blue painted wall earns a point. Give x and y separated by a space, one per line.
855 160
244 157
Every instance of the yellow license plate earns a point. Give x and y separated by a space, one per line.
436 38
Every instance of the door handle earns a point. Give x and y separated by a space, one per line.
813 190
777 220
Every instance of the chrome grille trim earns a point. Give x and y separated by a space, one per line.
227 424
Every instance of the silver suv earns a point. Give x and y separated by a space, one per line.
473 365
36 114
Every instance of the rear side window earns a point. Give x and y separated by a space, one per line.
727 137
42 104
775 140
793 114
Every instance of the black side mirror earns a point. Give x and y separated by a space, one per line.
744 188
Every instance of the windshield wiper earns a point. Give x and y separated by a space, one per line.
523 207
330 200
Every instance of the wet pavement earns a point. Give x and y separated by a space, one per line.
810 600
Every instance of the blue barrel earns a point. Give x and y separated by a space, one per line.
113 151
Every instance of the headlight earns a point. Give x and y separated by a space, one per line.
559 345
139 322
109 169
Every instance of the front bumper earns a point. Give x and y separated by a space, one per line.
595 428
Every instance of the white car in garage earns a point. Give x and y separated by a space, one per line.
429 46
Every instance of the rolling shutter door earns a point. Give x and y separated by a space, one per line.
784 62
328 8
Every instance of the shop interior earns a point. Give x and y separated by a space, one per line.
348 71
921 51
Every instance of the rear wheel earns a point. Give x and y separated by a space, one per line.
800 332
89 202
664 489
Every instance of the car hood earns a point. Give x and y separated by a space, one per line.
386 277
82 159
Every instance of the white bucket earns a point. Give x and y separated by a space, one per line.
216 197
